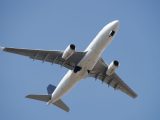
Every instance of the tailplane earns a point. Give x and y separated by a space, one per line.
46 98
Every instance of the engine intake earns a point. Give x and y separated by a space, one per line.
116 63
112 67
72 46
69 51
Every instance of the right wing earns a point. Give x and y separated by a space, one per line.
99 72
48 55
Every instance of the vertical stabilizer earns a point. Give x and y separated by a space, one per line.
50 89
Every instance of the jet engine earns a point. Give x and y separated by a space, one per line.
112 67
69 51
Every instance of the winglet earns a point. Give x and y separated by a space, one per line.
1 48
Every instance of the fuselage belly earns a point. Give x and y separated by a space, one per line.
93 53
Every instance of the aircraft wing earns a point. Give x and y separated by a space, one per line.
48 56
99 72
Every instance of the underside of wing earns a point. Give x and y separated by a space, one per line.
99 72
48 56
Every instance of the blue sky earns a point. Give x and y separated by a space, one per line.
53 25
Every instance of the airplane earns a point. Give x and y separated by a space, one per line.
88 63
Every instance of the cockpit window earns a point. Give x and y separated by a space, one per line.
111 34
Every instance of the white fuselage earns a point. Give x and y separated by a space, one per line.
93 53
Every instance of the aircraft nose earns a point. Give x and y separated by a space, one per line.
115 23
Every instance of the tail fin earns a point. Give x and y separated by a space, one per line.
50 89
46 98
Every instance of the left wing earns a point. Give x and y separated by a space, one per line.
48 55
99 72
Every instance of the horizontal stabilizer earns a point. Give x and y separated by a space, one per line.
59 103
46 98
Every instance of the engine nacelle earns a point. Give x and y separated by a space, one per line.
69 51
112 67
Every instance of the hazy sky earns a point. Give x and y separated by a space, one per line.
53 25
